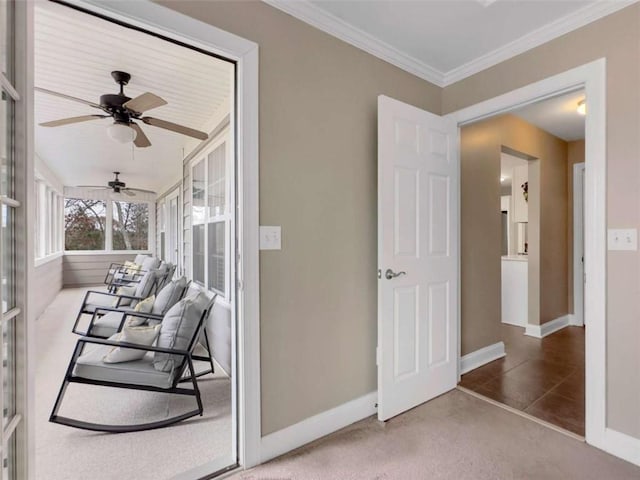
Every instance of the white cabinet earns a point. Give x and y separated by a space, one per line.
520 205
515 292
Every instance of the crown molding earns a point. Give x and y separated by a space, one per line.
329 23
552 30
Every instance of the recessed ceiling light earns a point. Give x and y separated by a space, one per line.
582 107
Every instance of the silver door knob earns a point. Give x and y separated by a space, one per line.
389 274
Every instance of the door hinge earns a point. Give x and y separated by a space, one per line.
239 285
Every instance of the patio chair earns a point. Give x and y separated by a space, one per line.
132 274
157 368
164 273
107 321
94 298
121 269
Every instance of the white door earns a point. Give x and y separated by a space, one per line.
417 256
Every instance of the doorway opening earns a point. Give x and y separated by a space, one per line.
170 211
526 280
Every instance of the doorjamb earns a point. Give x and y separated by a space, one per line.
577 273
158 19
591 77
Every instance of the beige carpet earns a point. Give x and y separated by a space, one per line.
454 437
67 453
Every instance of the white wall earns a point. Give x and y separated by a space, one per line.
47 282
83 270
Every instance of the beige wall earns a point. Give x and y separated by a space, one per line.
575 154
617 38
318 180
318 151
481 145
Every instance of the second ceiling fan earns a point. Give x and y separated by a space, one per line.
125 111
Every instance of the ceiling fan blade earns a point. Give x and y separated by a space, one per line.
127 191
140 190
70 120
141 140
97 187
144 102
174 127
68 97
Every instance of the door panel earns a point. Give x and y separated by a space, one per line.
417 235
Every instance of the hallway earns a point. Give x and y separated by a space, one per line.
542 377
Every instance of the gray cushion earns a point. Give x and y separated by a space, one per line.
137 372
141 257
150 263
179 325
169 296
106 325
143 288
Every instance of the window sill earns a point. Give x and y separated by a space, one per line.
49 258
106 252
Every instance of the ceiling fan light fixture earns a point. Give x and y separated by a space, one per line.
121 132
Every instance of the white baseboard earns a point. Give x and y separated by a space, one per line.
573 321
541 331
476 359
621 445
312 428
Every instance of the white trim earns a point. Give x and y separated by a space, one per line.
621 445
481 357
329 23
172 24
317 17
106 252
544 34
541 331
577 275
312 428
49 258
591 77
573 321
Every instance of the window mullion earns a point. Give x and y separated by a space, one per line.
108 234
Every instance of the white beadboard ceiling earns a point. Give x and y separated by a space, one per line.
444 41
75 54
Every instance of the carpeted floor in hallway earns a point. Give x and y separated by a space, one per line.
453 437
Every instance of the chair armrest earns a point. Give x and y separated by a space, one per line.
129 313
135 346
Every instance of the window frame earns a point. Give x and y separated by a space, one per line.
223 138
48 226
108 240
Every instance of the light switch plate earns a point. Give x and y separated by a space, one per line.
622 239
270 237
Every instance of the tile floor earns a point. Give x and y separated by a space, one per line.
542 377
